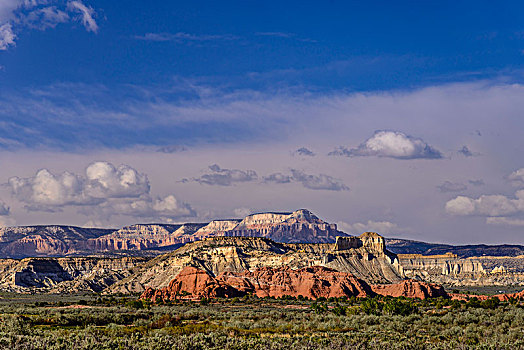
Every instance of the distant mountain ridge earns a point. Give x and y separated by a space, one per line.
300 226
405 246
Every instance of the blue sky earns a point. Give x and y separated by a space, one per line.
212 100
246 44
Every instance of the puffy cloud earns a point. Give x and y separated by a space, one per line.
49 192
318 182
7 37
391 144
517 177
383 227
466 152
104 190
460 206
486 205
86 15
224 177
448 186
303 151
313 182
106 181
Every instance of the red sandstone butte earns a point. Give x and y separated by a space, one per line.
410 289
311 282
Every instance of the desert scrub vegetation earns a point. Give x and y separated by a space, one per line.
96 322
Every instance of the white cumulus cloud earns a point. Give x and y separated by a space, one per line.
104 189
495 205
7 37
391 144
224 177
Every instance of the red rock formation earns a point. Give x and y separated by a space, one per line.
505 297
410 289
312 282
501 297
192 283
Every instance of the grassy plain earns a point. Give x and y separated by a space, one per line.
101 322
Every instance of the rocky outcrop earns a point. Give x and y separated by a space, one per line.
452 270
63 274
311 282
238 254
410 289
428 266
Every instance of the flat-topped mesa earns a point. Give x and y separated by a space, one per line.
297 227
371 241
217 228
263 219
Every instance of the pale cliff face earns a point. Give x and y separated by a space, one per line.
263 219
219 226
